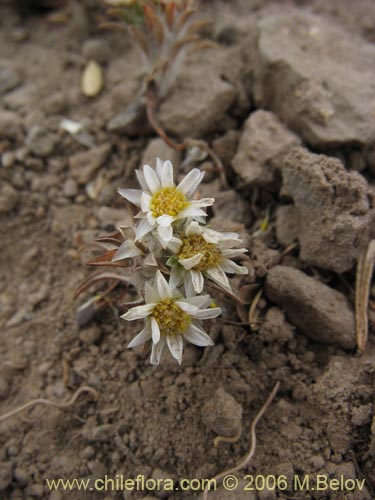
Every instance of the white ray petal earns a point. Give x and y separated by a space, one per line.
165 220
165 234
188 284
156 352
193 228
162 286
132 195
145 202
138 312
159 166
190 262
142 229
174 244
176 345
127 250
199 300
203 202
211 236
211 312
188 308
230 242
152 179
190 182
150 219
219 276
167 174
197 336
151 294
191 211
142 180
228 266
229 253
197 280
141 338
155 330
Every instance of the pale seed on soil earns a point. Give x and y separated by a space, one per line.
92 79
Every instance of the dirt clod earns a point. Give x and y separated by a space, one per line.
319 312
222 414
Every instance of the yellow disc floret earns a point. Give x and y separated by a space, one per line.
169 201
194 244
172 320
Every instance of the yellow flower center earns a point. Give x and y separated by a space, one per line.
172 320
194 244
168 201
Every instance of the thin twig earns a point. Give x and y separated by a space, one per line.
150 110
245 461
50 403
365 268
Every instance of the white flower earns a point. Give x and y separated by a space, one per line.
169 319
162 203
204 252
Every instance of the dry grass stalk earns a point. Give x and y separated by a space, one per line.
365 269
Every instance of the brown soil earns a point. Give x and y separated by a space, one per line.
151 420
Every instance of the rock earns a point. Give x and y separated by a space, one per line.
222 414
41 142
333 207
8 198
157 148
43 183
10 125
318 311
9 77
70 188
287 224
196 105
299 74
230 202
8 159
84 164
226 145
263 145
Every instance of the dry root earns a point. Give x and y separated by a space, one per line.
47 402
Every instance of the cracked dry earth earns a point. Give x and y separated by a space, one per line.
286 102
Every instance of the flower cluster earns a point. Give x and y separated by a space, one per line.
171 237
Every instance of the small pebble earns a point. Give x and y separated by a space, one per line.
92 80
70 188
